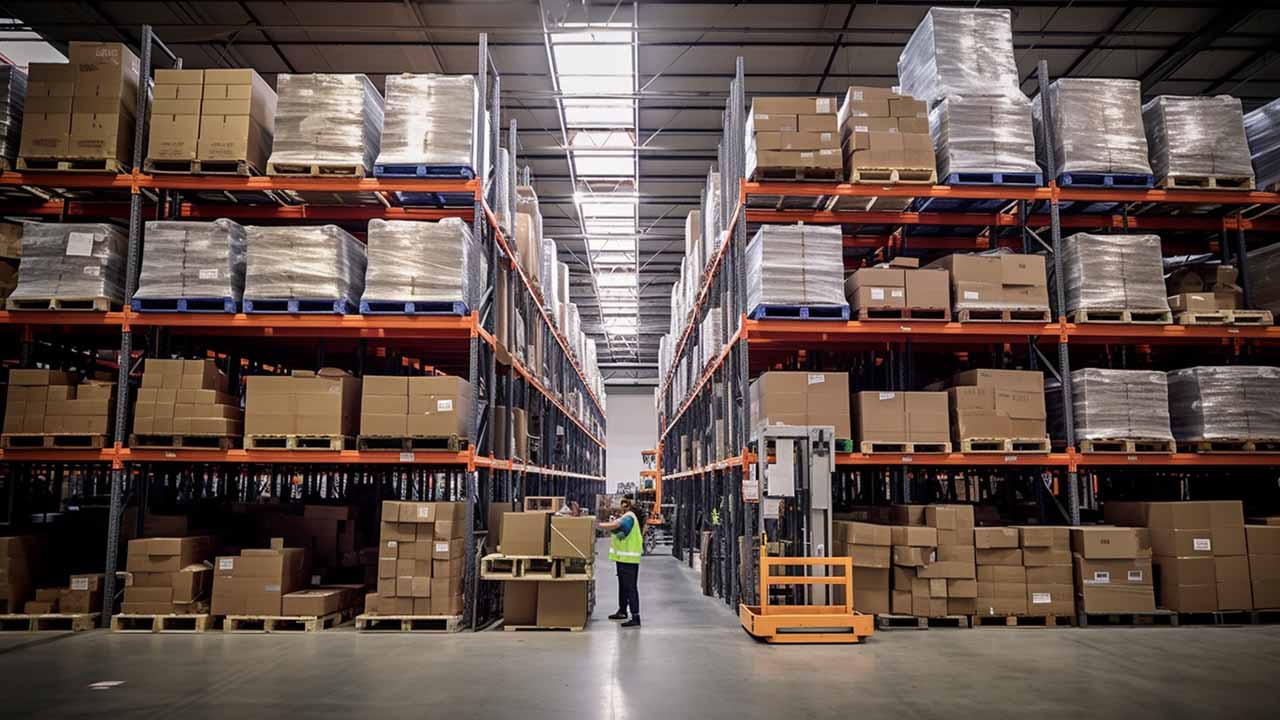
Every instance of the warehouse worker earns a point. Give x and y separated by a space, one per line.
626 545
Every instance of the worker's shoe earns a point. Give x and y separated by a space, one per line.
620 615
633 622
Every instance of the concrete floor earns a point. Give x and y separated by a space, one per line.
690 659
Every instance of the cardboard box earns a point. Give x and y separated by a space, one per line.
174 132
439 406
520 603
914 536
1114 585
880 416
572 537
1178 542
928 289
46 130
315 601
1105 543
876 289
996 537
917 557
524 533
802 398
1263 539
237 117
192 583
1000 556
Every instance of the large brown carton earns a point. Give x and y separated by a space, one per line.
439 407
519 603
801 398
880 416
562 604
46 127
256 582
1105 543
572 537
1232 575
1114 585
927 418
174 132
524 533
316 601
985 538
237 118
106 95
871 590
876 289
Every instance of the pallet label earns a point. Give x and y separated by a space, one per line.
226 563
1135 576
91 270
79 583
208 273
1202 544
1041 598
407 457
817 378
79 244
1100 577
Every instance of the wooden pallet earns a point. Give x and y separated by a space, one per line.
894 176
296 442
543 568
775 174
156 166
101 165
242 168
544 628
409 623
1129 446
1022 620
285 623
1004 445
451 443
1203 182
135 623
1008 315
891 621
869 447
179 442
1230 445
351 170
1202 317
63 304
1155 617
938 314
87 441
1250 317
1216 617
62 622
1118 316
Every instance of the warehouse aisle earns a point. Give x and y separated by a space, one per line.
690 658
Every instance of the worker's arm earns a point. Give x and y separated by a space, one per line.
611 525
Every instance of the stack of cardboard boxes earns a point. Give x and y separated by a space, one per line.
1112 570
996 404
167 575
801 398
901 418
220 117
186 397
20 557
398 407
1046 555
881 130
83 594
1002 578
996 282
901 290
29 394
323 403
321 601
1198 549
45 602
870 547
933 555
1264 565
1204 289
82 110
420 559
793 134
256 581
547 603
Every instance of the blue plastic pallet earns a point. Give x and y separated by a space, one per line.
184 305
434 199
300 306
1019 179
973 205
1106 180
413 307
800 312
434 172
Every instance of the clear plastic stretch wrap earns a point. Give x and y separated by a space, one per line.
319 263
183 259
431 261
983 134
13 97
1225 403
430 120
1113 272
549 277
502 190
1264 278
956 51
1120 404
712 326
327 119
795 265
711 220
71 261
1197 136
1097 127
1262 128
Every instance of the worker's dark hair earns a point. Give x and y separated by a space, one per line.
635 508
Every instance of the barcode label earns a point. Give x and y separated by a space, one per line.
1202 544
226 563
79 583
1041 598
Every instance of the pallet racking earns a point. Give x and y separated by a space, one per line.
570 440
715 494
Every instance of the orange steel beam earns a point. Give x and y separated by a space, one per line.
1210 223
1002 192
77 208
57 317
427 327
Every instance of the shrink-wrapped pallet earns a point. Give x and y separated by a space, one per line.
1262 129
186 259
319 262
959 51
712 328
326 119
1197 137
13 95
712 222
795 265
71 261
502 190
983 134
424 261
548 260
1113 272
1097 127
1120 404
1225 403
430 120
1264 278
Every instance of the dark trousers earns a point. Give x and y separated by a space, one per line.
628 590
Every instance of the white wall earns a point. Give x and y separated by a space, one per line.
633 426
